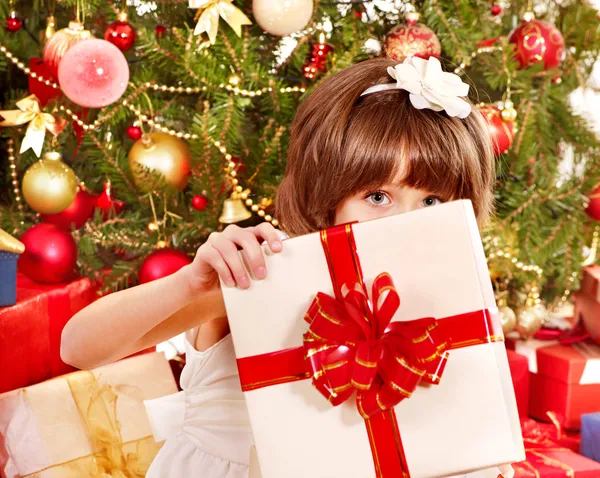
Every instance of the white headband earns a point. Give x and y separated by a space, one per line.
428 85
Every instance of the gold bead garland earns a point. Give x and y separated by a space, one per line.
15 182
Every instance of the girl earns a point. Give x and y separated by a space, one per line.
362 146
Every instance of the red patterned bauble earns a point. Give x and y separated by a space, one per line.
121 33
501 132
134 133
416 40
60 42
109 206
593 207
199 202
160 31
13 22
76 215
537 41
162 263
50 254
496 10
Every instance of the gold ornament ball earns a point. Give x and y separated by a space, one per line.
509 113
508 319
541 312
49 186
529 322
160 153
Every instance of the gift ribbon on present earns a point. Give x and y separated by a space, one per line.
97 406
209 12
352 346
30 111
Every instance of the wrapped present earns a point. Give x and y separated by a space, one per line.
587 311
308 337
84 423
519 372
10 250
30 330
547 457
590 435
566 380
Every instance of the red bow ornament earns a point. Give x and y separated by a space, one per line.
352 346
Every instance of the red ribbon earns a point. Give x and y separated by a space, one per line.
352 346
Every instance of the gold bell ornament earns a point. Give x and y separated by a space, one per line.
49 185
234 209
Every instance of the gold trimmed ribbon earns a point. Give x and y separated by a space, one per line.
30 111
208 15
98 408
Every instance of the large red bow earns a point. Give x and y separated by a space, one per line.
351 345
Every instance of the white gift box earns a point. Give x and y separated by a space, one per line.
467 422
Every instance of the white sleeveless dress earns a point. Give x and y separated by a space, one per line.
206 426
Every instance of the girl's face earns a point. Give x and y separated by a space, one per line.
385 201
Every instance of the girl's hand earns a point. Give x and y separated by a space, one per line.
218 257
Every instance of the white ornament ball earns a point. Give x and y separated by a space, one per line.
282 17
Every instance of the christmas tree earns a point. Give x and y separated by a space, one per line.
180 124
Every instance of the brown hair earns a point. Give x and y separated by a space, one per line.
342 144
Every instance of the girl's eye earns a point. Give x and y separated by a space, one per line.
378 198
431 201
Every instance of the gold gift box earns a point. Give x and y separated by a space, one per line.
87 423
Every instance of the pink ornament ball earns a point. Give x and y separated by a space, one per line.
93 73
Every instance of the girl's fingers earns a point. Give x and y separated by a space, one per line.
230 255
269 234
247 240
216 261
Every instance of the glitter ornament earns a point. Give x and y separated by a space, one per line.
93 73
502 132
58 44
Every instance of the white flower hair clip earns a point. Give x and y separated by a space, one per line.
428 85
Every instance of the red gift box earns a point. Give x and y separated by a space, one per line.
556 463
519 371
567 382
550 453
30 330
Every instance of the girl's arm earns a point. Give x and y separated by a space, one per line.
126 322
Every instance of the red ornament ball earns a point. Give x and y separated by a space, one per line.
416 40
162 263
50 254
537 41
199 202
160 31
121 34
593 207
76 215
14 24
134 133
501 132
496 10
